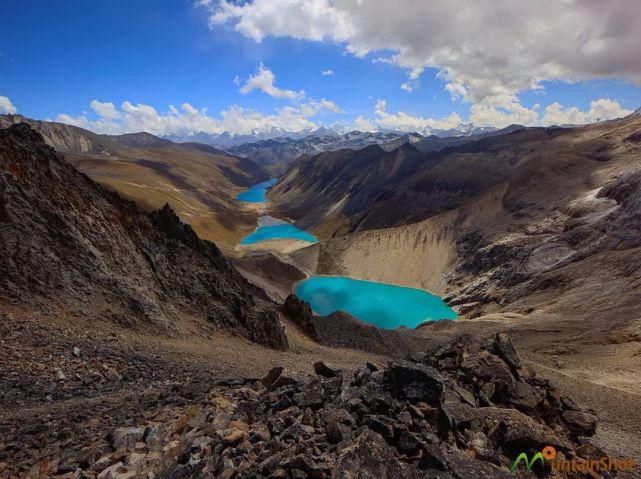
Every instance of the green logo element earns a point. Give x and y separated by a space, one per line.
528 463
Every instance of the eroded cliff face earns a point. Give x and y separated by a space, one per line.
67 243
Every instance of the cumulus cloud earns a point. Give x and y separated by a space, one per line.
363 124
187 119
401 121
601 109
6 106
106 110
486 52
327 72
264 80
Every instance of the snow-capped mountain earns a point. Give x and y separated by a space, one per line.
277 153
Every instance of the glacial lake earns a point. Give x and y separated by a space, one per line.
256 193
273 229
384 305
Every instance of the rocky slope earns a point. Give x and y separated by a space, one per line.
535 232
68 244
114 322
484 219
464 411
198 181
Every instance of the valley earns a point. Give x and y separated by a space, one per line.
534 232
198 181
290 239
521 249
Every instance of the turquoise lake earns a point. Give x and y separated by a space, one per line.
384 305
272 229
256 193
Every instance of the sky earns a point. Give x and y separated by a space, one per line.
185 66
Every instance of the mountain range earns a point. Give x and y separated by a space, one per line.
151 352
227 139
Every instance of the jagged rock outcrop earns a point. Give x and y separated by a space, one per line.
466 412
68 243
341 330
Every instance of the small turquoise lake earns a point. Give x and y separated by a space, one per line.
384 305
273 229
256 193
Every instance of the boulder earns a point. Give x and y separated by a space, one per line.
503 347
323 369
414 382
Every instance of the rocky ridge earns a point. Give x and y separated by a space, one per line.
465 410
68 244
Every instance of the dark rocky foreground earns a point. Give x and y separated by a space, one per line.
466 411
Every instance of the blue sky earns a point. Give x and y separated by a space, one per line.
60 56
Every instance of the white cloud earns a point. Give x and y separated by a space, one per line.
188 119
601 109
6 106
363 124
106 110
302 19
486 52
264 80
327 72
484 115
401 121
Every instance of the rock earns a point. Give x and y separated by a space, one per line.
525 397
232 437
112 472
485 367
282 381
272 375
76 351
270 463
305 463
503 347
300 313
380 424
580 423
323 369
369 456
313 395
405 420
243 426
126 437
297 431
259 432
415 382
283 403
153 435
463 468
102 463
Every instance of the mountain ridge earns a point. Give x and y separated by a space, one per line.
199 181
132 264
